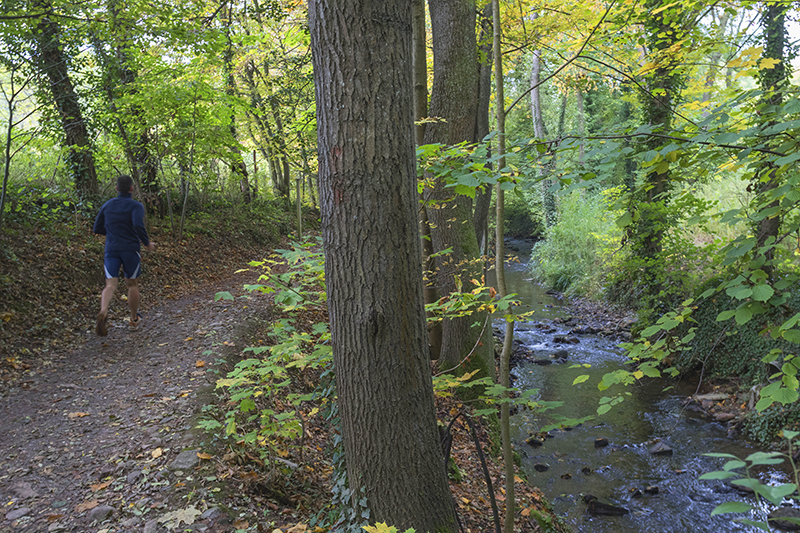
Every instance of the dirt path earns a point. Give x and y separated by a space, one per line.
90 438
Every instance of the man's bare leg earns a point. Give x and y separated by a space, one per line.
133 299
105 300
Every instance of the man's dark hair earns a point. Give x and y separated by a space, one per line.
124 183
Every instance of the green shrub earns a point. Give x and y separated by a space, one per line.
724 350
572 256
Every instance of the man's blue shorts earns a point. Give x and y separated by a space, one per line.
131 263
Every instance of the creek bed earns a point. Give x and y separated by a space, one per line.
617 473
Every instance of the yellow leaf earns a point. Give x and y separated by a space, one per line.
155 454
463 499
204 455
768 63
638 374
526 511
518 479
188 339
6 316
200 364
468 375
77 415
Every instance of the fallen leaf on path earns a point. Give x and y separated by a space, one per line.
77 415
54 517
204 455
526 511
187 516
100 486
155 454
241 524
85 506
188 339
200 364
299 528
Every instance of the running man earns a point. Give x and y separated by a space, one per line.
121 220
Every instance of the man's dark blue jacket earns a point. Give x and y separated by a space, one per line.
121 220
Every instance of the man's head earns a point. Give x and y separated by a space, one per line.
124 183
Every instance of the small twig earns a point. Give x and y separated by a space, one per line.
477 343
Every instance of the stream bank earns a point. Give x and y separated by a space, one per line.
644 456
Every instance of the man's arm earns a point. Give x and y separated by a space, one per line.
100 223
137 219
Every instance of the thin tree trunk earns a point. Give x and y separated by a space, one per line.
483 197
540 132
505 356
713 68
362 73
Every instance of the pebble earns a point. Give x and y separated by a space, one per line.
133 476
18 513
600 442
660 449
185 461
100 513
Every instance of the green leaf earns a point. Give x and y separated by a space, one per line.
625 220
759 525
726 315
718 475
765 458
223 295
791 335
762 293
743 315
732 507
580 379
776 494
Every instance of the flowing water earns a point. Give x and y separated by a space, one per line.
614 473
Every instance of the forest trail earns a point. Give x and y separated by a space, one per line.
90 437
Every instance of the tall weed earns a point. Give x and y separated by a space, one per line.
572 257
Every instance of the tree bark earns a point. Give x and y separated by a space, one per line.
766 180
362 73
52 62
483 198
454 97
540 132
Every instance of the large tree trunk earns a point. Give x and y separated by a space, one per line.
362 72
53 63
454 97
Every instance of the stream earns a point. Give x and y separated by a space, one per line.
616 474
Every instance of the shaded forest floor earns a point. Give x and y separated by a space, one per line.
99 434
